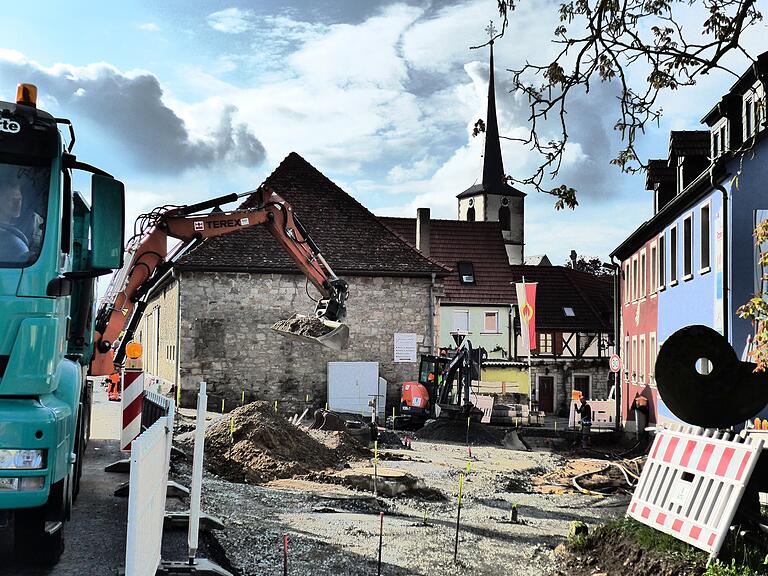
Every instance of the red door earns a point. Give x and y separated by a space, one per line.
546 393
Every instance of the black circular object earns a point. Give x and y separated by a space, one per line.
728 395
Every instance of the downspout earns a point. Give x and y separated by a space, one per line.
177 277
433 345
617 273
726 272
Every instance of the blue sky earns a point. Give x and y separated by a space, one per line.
187 100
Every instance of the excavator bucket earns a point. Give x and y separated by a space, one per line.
330 334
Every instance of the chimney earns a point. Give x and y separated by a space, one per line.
422 230
573 259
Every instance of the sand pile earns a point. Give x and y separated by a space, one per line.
447 430
264 447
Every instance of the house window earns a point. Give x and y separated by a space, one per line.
652 359
719 138
643 274
466 272
471 214
705 250
680 174
662 262
673 255
634 358
626 355
749 118
461 320
627 283
654 271
491 322
568 311
635 279
687 247
546 341
581 383
504 219
641 360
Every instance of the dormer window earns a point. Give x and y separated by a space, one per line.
719 138
466 272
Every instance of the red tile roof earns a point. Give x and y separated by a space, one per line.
351 238
590 297
481 243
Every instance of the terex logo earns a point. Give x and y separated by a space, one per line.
11 126
231 223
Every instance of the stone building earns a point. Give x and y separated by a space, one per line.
212 320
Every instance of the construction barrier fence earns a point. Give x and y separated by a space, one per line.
692 484
150 459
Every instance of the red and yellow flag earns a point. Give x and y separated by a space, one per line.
526 304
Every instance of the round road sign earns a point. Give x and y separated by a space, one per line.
615 363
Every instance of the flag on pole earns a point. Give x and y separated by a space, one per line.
526 304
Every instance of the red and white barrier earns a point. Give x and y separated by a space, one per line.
692 484
132 397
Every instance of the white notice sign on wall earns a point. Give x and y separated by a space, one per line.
405 347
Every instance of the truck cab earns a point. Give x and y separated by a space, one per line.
53 245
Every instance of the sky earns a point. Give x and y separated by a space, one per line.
184 101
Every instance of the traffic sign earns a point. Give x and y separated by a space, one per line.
615 363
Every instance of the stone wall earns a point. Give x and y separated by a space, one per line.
563 373
225 337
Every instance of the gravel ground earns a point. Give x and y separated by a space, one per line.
334 530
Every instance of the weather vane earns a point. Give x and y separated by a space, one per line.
491 30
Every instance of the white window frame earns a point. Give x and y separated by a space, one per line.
674 267
653 268
643 273
720 132
689 274
641 360
454 315
589 385
628 282
704 269
626 363
652 353
486 314
542 336
634 359
748 131
661 273
635 277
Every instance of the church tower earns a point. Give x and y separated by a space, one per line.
494 200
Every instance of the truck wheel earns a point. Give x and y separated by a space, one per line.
35 544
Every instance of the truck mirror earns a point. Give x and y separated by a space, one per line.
107 222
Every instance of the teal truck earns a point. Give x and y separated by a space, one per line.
53 245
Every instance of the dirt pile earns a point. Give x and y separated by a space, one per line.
303 325
592 475
254 445
456 431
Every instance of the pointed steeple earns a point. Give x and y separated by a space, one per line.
493 166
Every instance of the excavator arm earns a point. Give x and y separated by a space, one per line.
147 263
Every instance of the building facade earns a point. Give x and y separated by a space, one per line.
694 261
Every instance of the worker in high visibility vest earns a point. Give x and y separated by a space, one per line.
114 387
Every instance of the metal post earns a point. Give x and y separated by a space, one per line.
197 474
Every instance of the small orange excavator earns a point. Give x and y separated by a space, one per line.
147 263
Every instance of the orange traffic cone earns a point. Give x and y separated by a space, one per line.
114 387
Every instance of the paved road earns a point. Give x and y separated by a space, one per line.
95 537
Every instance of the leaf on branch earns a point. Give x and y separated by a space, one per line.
478 128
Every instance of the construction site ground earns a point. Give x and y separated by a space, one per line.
334 529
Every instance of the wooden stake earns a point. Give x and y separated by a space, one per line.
285 554
381 540
458 520
222 405
242 398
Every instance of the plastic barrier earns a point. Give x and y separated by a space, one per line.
132 399
150 458
692 484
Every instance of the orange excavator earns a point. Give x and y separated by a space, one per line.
147 263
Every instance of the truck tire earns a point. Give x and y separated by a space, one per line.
33 544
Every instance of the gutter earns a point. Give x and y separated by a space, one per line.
726 271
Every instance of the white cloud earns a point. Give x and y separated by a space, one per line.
149 27
231 20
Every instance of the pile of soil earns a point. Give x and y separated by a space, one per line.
342 443
303 325
447 430
260 446
609 550
389 439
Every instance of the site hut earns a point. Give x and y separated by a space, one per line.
694 261
574 336
212 320
478 296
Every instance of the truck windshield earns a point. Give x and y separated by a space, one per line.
23 207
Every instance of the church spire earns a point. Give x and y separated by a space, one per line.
493 167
